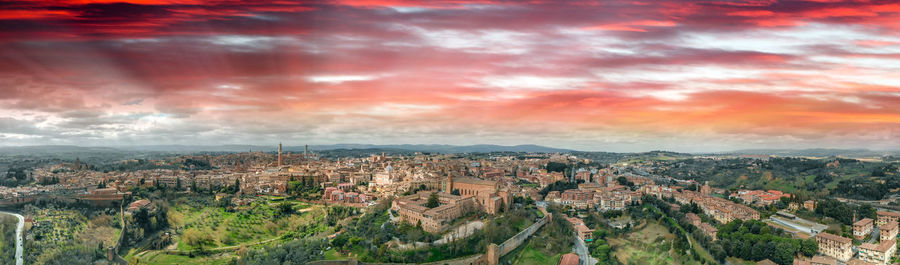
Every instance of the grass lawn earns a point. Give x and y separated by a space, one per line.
332 254
651 232
738 261
649 244
257 222
529 256
159 258
696 246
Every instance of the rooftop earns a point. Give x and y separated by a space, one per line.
839 239
886 213
569 259
863 222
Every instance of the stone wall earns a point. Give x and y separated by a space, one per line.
492 256
512 243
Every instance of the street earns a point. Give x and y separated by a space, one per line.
584 255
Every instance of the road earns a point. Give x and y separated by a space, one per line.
20 228
584 255
874 235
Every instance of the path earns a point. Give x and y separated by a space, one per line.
20 228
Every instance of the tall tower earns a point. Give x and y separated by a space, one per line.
279 154
306 152
448 188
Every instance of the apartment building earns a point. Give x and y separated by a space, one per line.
879 254
834 246
885 217
862 228
888 231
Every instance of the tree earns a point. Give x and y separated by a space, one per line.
455 192
809 247
867 211
432 200
718 252
340 240
556 167
286 208
624 182
784 253
195 238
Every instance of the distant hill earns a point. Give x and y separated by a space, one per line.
442 148
432 148
818 152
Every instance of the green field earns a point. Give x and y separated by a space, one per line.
531 256
230 232
75 234
166 259
259 221
650 243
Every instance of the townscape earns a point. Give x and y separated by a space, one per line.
265 207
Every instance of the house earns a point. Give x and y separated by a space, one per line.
709 230
139 204
693 219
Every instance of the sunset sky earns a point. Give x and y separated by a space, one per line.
609 76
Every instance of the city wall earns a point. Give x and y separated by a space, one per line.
512 243
494 252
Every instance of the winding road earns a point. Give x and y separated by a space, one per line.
19 230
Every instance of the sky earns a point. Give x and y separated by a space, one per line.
693 76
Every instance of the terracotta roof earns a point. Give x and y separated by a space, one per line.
824 260
881 247
864 221
569 259
895 214
831 237
859 262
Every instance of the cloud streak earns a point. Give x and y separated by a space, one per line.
613 75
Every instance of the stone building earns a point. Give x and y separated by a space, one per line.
412 210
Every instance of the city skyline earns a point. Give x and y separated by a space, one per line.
618 76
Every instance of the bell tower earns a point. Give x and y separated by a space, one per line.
279 154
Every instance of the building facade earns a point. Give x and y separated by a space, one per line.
834 246
885 217
862 228
879 254
888 231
